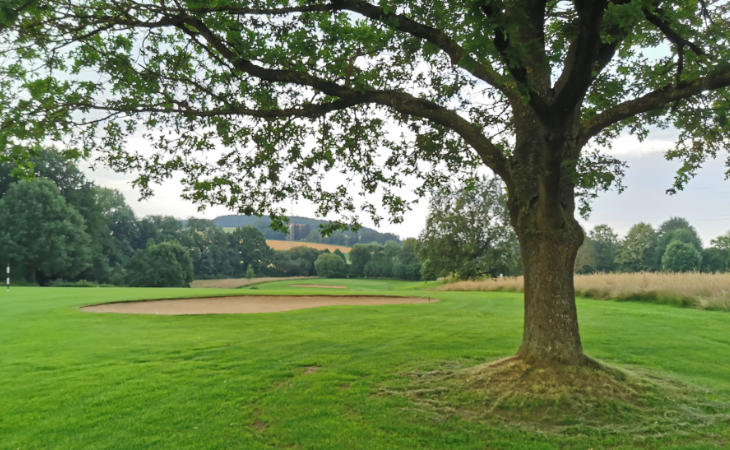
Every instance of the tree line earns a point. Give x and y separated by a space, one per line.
452 246
674 246
307 230
59 227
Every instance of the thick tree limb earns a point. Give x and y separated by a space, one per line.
437 37
583 54
652 101
453 50
528 68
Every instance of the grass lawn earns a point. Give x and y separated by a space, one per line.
316 378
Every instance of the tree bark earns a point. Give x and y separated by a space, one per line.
542 210
550 334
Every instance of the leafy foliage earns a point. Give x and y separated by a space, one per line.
242 86
166 264
681 257
329 265
42 237
468 232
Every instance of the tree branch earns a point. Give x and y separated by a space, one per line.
670 34
583 54
437 37
453 50
310 111
652 101
402 102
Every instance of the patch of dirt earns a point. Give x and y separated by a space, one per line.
259 425
311 369
324 286
247 304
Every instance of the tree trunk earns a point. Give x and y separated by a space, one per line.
542 210
550 333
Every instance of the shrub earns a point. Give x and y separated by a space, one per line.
330 266
166 264
681 257
249 272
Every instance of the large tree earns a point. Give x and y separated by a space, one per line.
41 236
257 101
467 232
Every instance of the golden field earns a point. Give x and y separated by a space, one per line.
288 245
235 283
702 290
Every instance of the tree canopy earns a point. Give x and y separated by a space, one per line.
42 237
252 81
467 233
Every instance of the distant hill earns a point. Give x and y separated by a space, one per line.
306 229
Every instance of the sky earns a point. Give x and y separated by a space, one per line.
705 202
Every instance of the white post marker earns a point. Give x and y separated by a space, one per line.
7 280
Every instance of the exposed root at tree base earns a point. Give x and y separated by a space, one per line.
580 400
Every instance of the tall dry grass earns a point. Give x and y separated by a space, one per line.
701 290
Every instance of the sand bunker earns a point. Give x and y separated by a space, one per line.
324 286
243 305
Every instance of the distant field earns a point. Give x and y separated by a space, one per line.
233 283
702 290
288 245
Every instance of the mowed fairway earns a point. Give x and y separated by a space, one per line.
313 378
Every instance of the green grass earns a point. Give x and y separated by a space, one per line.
316 378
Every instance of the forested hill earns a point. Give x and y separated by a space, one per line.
305 229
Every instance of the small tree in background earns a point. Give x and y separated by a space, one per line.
675 229
329 265
715 260
167 264
681 257
250 248
605 242
637 250
40 234
468 232
407 266
360 255
249 272
722 242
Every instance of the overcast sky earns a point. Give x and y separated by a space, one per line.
705 202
